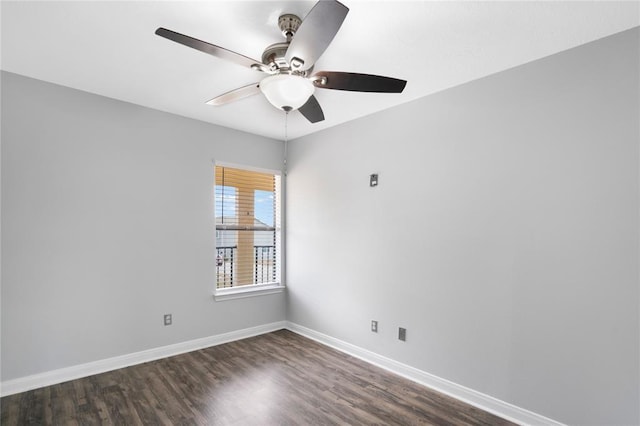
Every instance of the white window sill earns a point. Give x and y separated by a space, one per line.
247 291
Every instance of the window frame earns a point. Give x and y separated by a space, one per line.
252 290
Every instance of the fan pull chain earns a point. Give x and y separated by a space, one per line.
286 141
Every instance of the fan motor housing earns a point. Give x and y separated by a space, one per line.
273 56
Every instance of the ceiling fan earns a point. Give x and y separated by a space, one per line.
291 82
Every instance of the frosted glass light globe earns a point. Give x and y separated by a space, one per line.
287 92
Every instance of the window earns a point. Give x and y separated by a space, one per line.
247 212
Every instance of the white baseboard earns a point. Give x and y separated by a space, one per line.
470 396
462 393
48 378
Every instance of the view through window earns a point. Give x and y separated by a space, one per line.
247 227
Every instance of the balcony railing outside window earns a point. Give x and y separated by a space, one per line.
225 261
264 266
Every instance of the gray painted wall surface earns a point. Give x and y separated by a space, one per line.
503 234
107 224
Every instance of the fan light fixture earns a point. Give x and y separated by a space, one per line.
287 92
289 64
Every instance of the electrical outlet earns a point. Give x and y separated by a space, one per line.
167 319
374 326
402 334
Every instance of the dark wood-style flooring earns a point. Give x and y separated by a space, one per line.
279 378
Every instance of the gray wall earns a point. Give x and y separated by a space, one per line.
107 224
503 234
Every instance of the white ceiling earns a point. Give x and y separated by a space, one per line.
109 48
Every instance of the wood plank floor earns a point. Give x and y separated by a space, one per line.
279 378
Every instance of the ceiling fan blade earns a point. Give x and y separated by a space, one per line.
236 94
311 110
211 49
317 30
355 82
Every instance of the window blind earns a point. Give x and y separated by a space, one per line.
247 227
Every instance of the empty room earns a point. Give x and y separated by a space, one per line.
320 212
